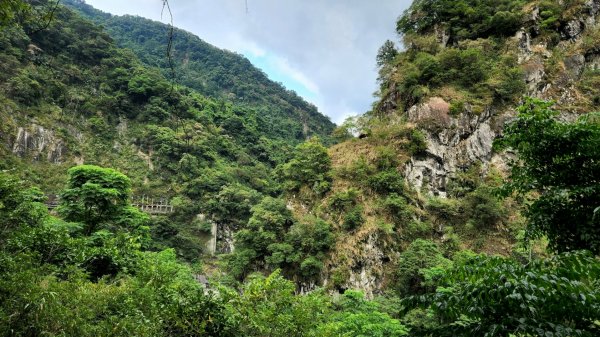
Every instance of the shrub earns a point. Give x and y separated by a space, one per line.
341 201
496 296
415 264
389 181
397 207
353 219
418 143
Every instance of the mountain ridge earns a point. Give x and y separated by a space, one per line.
212 71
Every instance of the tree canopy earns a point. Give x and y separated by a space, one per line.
560 163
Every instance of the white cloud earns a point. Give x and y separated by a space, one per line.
326 46
283 65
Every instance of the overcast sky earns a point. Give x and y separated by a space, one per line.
323 49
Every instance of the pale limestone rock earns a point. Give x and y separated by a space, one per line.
224 239
575 65
35 141
465 139
524 44
573 29
366 272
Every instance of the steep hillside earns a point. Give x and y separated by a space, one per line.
69 95
213 72
461 77
425 166
461 209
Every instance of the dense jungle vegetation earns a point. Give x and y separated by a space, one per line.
505 253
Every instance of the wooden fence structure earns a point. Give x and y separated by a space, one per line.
151 205
154 206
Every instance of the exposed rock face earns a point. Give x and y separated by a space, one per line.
365 275
593 61
457 142
35 141
211 244
224 239
465 139
574 28
363 260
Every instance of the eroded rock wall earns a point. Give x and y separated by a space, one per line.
455 142
38 143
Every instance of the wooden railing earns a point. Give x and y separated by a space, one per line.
145 204
151 205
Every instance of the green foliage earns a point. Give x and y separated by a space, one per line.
353 218
11 9
232 204
216 73
309 167
494 296
272 240
145 84
359 171
95 195
418 267
104 105
385 182
161 300
475 68
483 209
559 161
507 80
268 224
357 317
386 53
554 14
19 206
54 281
386 159
464 182
418 143
465 19
343 200
397 207
267 306
464 66
310 239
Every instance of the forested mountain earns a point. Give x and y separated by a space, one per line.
212 72
71 95
468 205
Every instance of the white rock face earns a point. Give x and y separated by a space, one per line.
368 263
457 142
364 276
36 141
224 239
465 139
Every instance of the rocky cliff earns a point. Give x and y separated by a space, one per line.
563 70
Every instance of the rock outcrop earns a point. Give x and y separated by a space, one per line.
453 144
37 142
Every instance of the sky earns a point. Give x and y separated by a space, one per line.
323 49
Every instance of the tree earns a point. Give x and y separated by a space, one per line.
357 318
267 226
387 52
310 167
99 197
464 19
267 306
560 163
10 9
416 263
495 296
19 206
